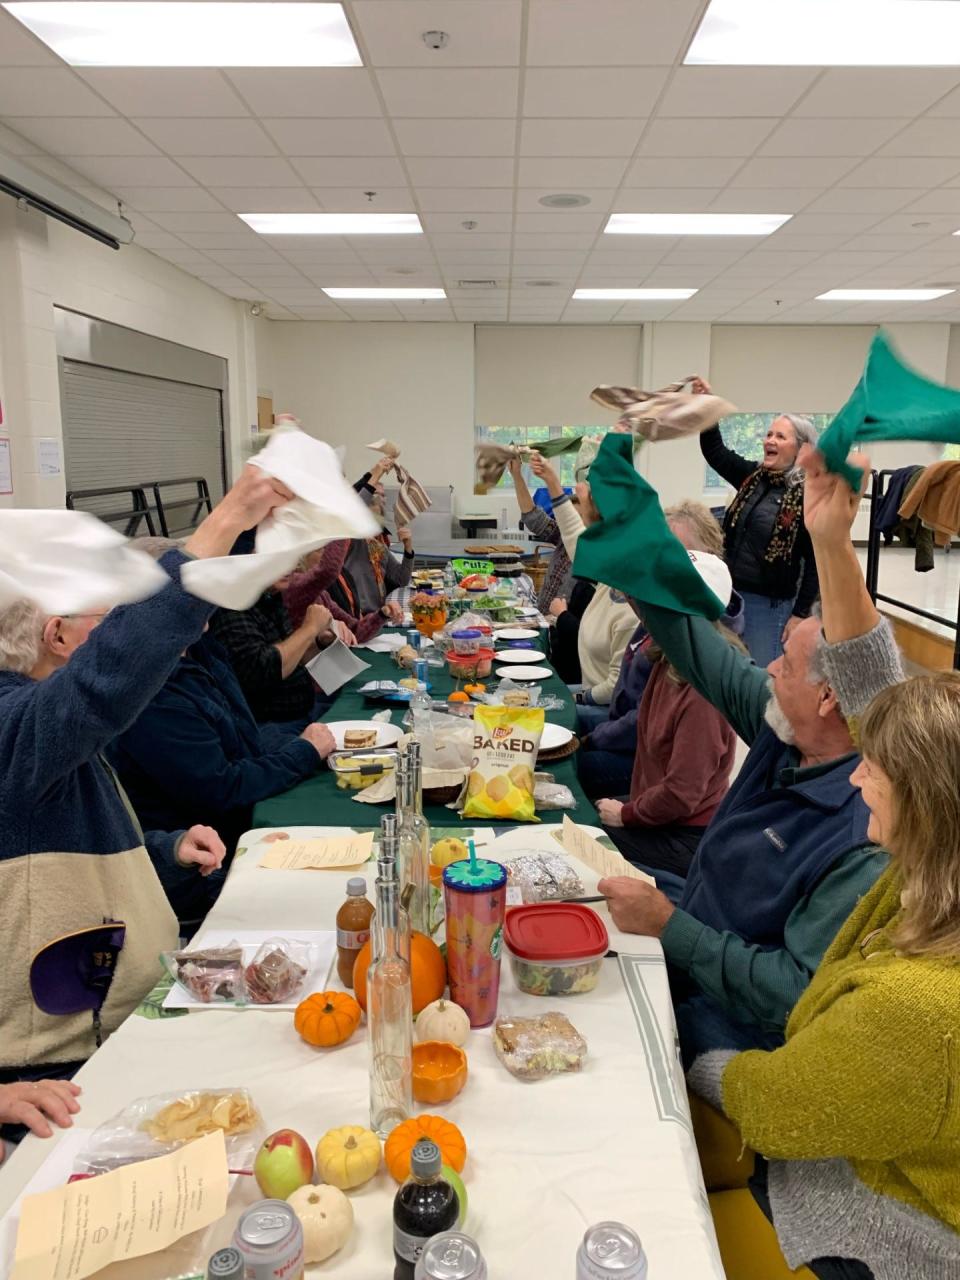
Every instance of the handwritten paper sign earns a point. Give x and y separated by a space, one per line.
319 854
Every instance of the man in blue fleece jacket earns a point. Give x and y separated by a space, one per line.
72 855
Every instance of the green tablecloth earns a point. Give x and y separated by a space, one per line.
318 801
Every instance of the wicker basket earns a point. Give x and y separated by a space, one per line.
537 569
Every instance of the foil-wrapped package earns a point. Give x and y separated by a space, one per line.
545 877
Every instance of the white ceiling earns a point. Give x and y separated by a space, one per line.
529 98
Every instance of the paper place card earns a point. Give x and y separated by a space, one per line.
605 862
335 665
319 854
139 1208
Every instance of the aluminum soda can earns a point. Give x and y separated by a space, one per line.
451 1256
421 669
611 1251
413 638
269 1238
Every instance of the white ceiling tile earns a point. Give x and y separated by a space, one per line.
207 137
357 137
470 201
483 33
150 239
735 91
581 92
857 136
876 91
764 200
187 221
618 33
945 200
133 171
913 231
468 92
682 136
564 222
862 200
78 137
237 258
47 91
307 91
570 174
19 47
456 137
528 200
929 137
353 200
267 199
15 144
903 171
666 200
164 91
191 260
770 171
563 137
686 171
473 171
365 173
553 240
234 171
169 199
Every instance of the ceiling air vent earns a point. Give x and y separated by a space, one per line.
476 284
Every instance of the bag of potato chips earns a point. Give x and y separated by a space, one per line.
500 782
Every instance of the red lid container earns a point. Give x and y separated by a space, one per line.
555 931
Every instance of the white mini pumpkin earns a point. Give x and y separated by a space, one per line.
326 1216
443 1020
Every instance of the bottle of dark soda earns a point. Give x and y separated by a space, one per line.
424 1206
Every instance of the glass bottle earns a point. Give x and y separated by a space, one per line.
389 1001
414 835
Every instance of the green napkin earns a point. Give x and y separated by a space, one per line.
890 402
632 547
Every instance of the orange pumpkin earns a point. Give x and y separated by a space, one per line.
399 1146
457 696
439 1071
327 1018
428 972
475 688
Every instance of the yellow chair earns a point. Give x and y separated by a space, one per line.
748 1243
725 1162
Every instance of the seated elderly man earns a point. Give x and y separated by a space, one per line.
786 856
72 854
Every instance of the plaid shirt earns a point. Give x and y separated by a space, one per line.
249 638
559 576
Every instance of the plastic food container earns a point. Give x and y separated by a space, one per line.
555 949
470 666
466 642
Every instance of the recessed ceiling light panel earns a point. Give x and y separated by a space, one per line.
333 224
694 224
882 295
148 33
377 295
625 295
828 33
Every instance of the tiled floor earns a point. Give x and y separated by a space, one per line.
936 591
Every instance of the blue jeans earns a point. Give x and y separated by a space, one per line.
764 620
604 774
703 1025
588 715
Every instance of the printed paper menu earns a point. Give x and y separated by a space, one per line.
606 862
140 1208
320 853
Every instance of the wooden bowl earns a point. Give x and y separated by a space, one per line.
439 1071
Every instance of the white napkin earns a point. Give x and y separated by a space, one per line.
69 561
326 508
335 665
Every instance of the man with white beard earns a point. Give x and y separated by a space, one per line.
786 856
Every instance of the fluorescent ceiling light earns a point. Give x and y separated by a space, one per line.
624 295
828 33
882 295
334 224
375 295
694 224
89 33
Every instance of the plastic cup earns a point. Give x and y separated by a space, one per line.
475 905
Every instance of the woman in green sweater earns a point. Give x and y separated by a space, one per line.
858 1115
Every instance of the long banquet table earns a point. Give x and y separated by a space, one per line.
545 1159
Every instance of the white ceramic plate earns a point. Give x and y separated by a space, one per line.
517 655
517 633
525 673
387 734
554 736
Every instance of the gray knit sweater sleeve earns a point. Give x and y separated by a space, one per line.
858 669
705 1076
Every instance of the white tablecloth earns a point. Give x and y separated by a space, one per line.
545 1159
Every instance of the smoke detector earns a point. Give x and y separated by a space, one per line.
435 39
564 200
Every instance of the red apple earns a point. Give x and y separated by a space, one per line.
284 1163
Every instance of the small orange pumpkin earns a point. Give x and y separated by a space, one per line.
457 696
439 1071
475 688
327 1018
399 1146
428 972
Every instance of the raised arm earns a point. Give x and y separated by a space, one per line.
305 588
732 466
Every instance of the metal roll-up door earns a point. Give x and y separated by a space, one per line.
129 429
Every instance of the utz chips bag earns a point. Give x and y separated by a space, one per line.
500 782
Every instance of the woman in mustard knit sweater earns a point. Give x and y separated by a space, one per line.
858 1115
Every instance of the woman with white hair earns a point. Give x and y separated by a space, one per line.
767 546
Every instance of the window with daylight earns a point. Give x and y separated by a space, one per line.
564 462
951 453
744 432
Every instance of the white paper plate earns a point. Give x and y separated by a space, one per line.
518 655
525 673
554 736
517 633
387 734
321 947
528 611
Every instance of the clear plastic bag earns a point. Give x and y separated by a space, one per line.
212 975
544 877
532 1048
276 973
160 1124
552 795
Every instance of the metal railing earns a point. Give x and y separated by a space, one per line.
141 508
878 487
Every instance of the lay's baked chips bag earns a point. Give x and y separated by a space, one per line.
500 782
